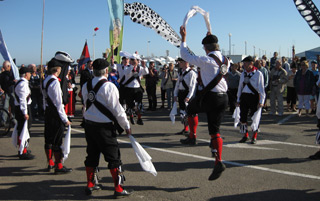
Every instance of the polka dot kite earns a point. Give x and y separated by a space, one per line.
142 14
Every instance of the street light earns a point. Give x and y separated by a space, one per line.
245 47
254 50
230 43
233 48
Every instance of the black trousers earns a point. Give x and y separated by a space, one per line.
248 102
182 94
53 128
133 95
101 138
20 118
152 97
37 103
232 95
291 95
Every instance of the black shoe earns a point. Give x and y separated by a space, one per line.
63 170
131 120
217 171
161 107
124 193
90 190
183 132
153 109
140 122
316 156
50 168
244 139
26 156
254 141
189 141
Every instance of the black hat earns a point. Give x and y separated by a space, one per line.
54 63
100 64
63 56
313 62
179 59
24 70
248 59
209 39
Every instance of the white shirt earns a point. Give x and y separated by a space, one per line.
190 79
209 69
55 95
22 90
128 73
108 95
257 81
120 69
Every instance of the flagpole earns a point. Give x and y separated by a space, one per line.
94 34
41 57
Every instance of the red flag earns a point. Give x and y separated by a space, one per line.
85 56
96 29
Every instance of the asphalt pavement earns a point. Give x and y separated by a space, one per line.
276 168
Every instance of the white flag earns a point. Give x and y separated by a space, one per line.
6 56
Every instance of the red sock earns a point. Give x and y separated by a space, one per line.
139 116
186 128
114 173
246 135
254 135
49 156
24 151
90 175
58 157
217 143
193 123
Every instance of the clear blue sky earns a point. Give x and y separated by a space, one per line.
270 25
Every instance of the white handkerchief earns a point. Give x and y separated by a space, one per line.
173 112
143 157
66 144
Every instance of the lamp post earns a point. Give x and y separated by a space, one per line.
245 47
254 50
233 48
41 53
230 43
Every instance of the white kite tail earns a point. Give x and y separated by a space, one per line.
193 11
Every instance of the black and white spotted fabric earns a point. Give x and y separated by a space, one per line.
310 13
142 14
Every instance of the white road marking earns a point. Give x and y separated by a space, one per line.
227 162
287 118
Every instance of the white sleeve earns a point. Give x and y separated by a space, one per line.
240 87
55 95
115 107
193 83
21 93
192 59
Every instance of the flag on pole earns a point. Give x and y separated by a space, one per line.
116 27
6 56
85 57
96 29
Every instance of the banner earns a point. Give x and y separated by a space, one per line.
84 58
6 56
116 27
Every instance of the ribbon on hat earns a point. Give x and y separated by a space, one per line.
193 11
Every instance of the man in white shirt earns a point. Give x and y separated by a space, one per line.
216 100
103 109
250 96
55 118
134 90
183 92
22 107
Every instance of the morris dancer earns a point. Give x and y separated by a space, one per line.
101 99
23 109
183 92
216 100
250 96
55 118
